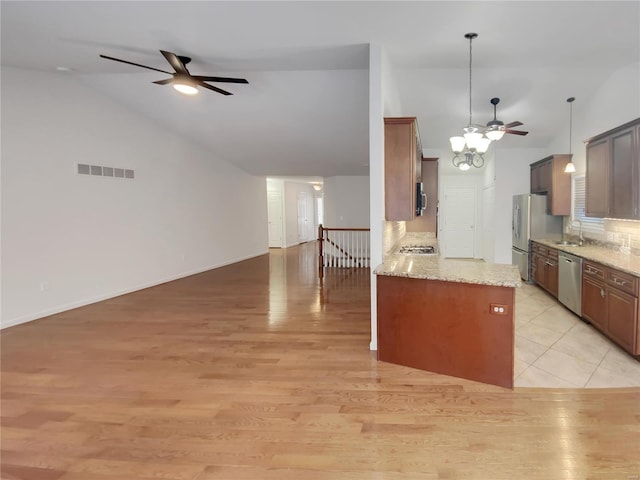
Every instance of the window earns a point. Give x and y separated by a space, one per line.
591 225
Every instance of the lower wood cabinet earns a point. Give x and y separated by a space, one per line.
450 328
610 303
544 267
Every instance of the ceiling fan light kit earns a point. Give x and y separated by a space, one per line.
181 79
470 148
186 88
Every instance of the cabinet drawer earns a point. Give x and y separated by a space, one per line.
539 249
552 253
622 281
594 270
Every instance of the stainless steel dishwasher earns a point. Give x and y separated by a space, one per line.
570 282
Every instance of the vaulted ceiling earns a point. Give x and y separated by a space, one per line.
305 109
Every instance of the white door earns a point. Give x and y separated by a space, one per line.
274 213
459 222
303 220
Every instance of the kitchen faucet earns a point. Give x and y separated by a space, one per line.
580 237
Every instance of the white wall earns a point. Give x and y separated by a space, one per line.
346 202
512 173
616 102
69 239
384 101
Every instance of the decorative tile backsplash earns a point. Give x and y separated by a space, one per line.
625 234
620 235
391 233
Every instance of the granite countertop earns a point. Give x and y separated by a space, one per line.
434 267
606 256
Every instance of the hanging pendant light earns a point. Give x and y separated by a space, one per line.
470 147
570 168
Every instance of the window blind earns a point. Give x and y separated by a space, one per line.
589 224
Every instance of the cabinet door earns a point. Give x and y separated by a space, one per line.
622 324
399 168
559 196
539 268
552 276
535 179
594 304
624 175
597 178
546 174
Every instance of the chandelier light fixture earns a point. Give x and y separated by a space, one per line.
470 148
570 168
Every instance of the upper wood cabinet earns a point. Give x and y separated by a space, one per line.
597 178
548 178
402 167
612 180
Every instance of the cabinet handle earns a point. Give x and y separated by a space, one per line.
619 282
602 293
592 270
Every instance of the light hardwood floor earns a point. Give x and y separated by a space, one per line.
257 371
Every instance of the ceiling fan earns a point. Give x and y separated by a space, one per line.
497 128
181 79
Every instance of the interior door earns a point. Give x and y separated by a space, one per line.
303 217
459 222
274 214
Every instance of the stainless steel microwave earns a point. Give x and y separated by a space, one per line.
421 199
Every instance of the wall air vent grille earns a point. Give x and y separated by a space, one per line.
102 171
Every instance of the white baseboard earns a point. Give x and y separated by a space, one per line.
99 298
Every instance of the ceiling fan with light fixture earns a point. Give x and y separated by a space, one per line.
496 128
470 148
181 79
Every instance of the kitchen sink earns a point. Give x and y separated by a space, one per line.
566 243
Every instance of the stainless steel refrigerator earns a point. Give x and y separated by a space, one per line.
530 221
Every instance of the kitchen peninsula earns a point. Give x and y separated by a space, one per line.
448 316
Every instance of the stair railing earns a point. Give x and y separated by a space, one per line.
343 247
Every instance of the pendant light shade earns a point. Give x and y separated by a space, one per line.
457 144
469 148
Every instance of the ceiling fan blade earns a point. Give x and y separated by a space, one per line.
134 64
219 79
513 124
166 81
516 132
211 87
175 62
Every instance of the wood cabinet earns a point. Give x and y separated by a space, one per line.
544 267
612 179
447 327
610 303
548 178
597 178
402 167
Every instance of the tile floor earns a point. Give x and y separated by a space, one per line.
555 348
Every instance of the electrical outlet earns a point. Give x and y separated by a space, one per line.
44 286
498 309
